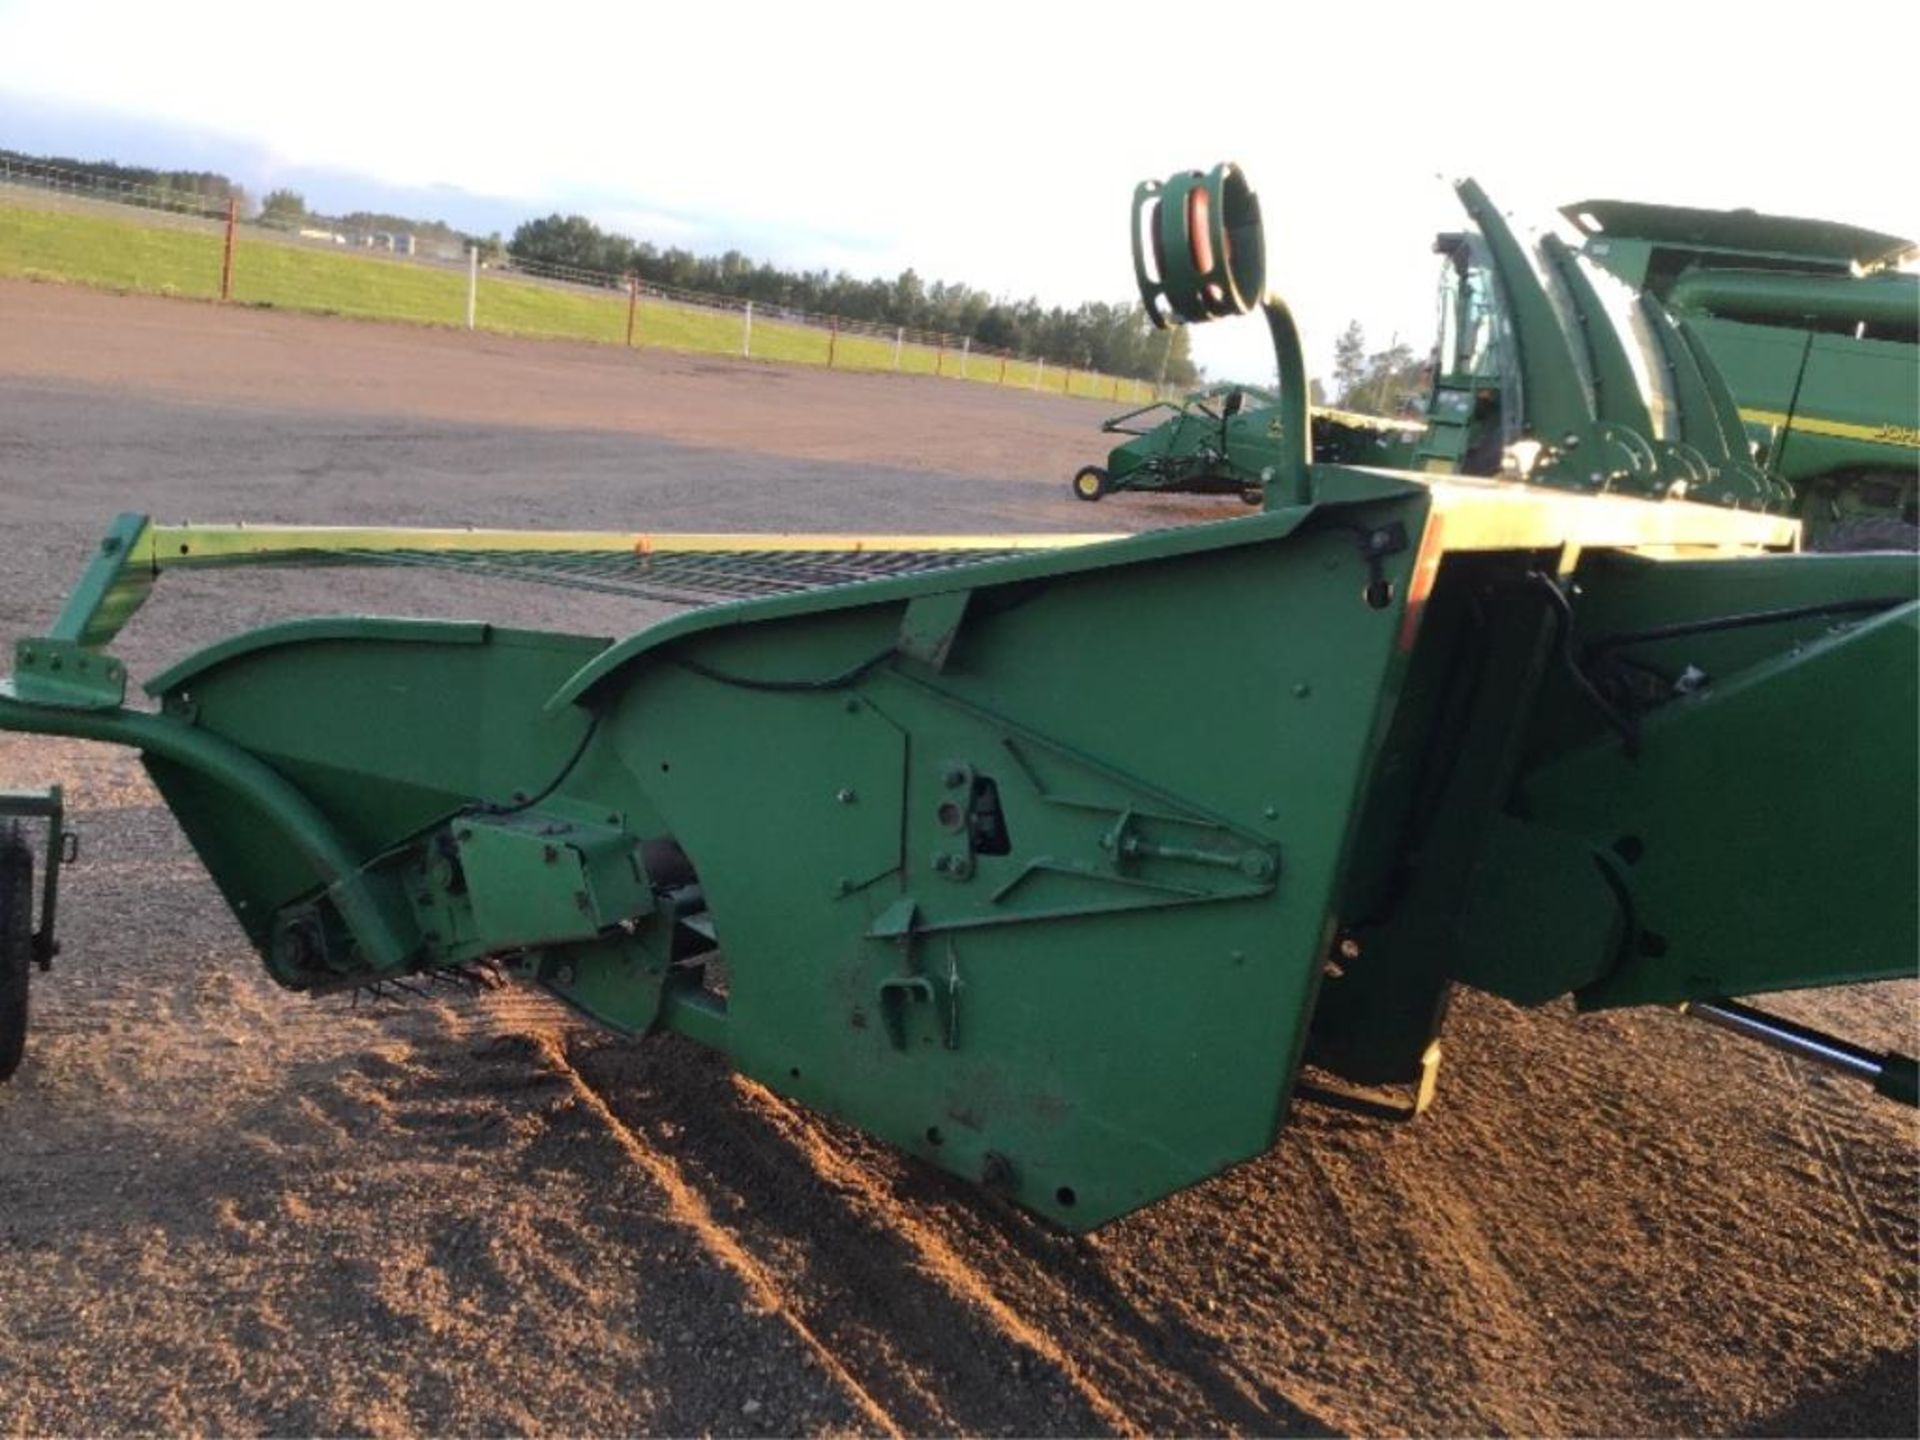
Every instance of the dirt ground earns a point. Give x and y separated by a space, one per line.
227 1209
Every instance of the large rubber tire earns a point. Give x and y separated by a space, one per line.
16 946
1090 483
1858 537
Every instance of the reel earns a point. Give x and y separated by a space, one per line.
1199 249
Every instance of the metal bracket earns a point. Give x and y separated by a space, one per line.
901 994
1377 542
931 625
65 675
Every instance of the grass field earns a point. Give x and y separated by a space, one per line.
164 259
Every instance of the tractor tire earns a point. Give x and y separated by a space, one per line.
1252 495
16 946
1090 483
1858 537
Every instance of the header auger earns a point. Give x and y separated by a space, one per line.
1052 859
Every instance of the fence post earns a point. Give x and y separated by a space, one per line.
940 356
1039 371
473 282
833 339
1003 371
226 256
966 348
746 332
899 336
633 303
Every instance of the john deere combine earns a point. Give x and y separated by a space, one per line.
1817 332
1052 861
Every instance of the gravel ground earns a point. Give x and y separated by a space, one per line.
227 1209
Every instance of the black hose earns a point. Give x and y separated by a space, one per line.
484 807
1622 723
1741 622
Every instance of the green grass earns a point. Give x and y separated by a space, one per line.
158 259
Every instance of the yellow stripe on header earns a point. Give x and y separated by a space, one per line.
167 546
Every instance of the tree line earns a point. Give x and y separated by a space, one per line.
1113 338
163 189
1116 339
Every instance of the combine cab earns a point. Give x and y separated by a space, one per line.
1051 860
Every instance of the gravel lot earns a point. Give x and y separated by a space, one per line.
223 1208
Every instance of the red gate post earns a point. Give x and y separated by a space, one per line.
633 300
226 257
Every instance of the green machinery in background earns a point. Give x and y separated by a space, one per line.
1817 333
1810 325
1221 441
1052 861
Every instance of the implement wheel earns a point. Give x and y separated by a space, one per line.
16 946
1090 483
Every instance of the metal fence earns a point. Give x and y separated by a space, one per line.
71 225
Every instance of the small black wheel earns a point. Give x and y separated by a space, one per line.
1090 483
16 946
1252 495
1859 537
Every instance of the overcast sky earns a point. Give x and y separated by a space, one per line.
998 143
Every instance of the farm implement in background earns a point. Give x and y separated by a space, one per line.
1810 326
1052 859
1223 441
